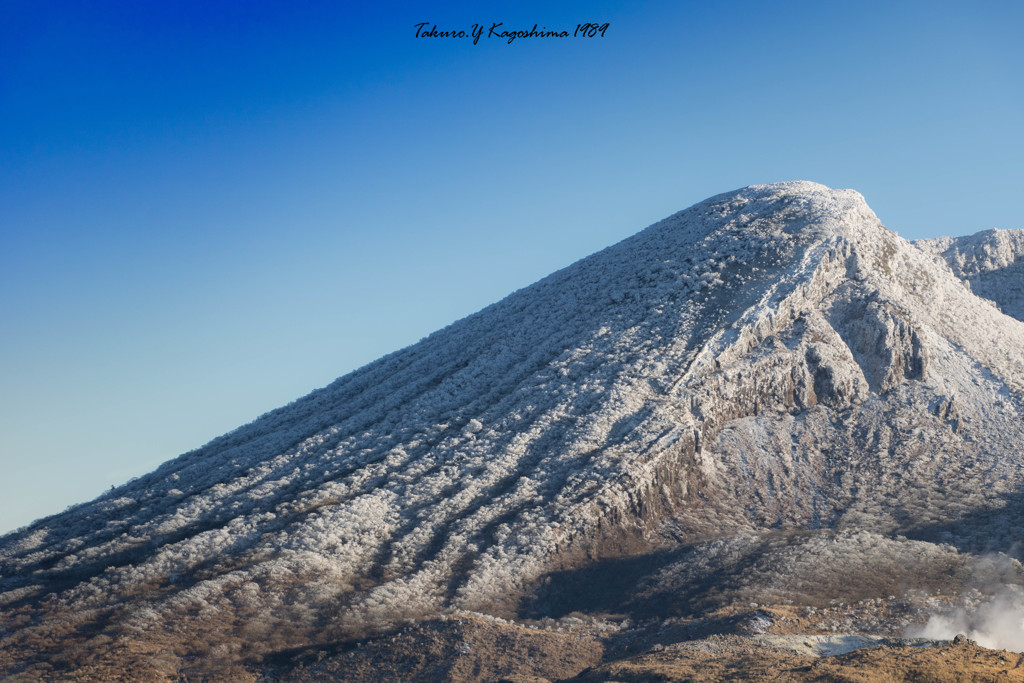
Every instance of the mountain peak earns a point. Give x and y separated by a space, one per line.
809 205
805 189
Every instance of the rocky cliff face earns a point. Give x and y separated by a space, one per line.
770 360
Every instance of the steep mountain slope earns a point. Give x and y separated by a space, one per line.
771 359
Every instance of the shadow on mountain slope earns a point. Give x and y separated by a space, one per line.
801 567
995 529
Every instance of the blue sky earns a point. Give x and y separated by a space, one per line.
209 209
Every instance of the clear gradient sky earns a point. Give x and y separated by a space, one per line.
208 209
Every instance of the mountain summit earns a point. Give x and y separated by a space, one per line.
712 410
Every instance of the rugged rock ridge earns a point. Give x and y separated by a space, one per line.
992 262
771 358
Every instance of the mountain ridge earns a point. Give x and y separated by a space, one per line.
991 262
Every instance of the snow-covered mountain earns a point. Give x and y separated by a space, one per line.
769 360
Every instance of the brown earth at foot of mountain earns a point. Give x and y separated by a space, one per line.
741 659
455 649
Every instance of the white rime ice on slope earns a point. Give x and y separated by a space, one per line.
770 357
